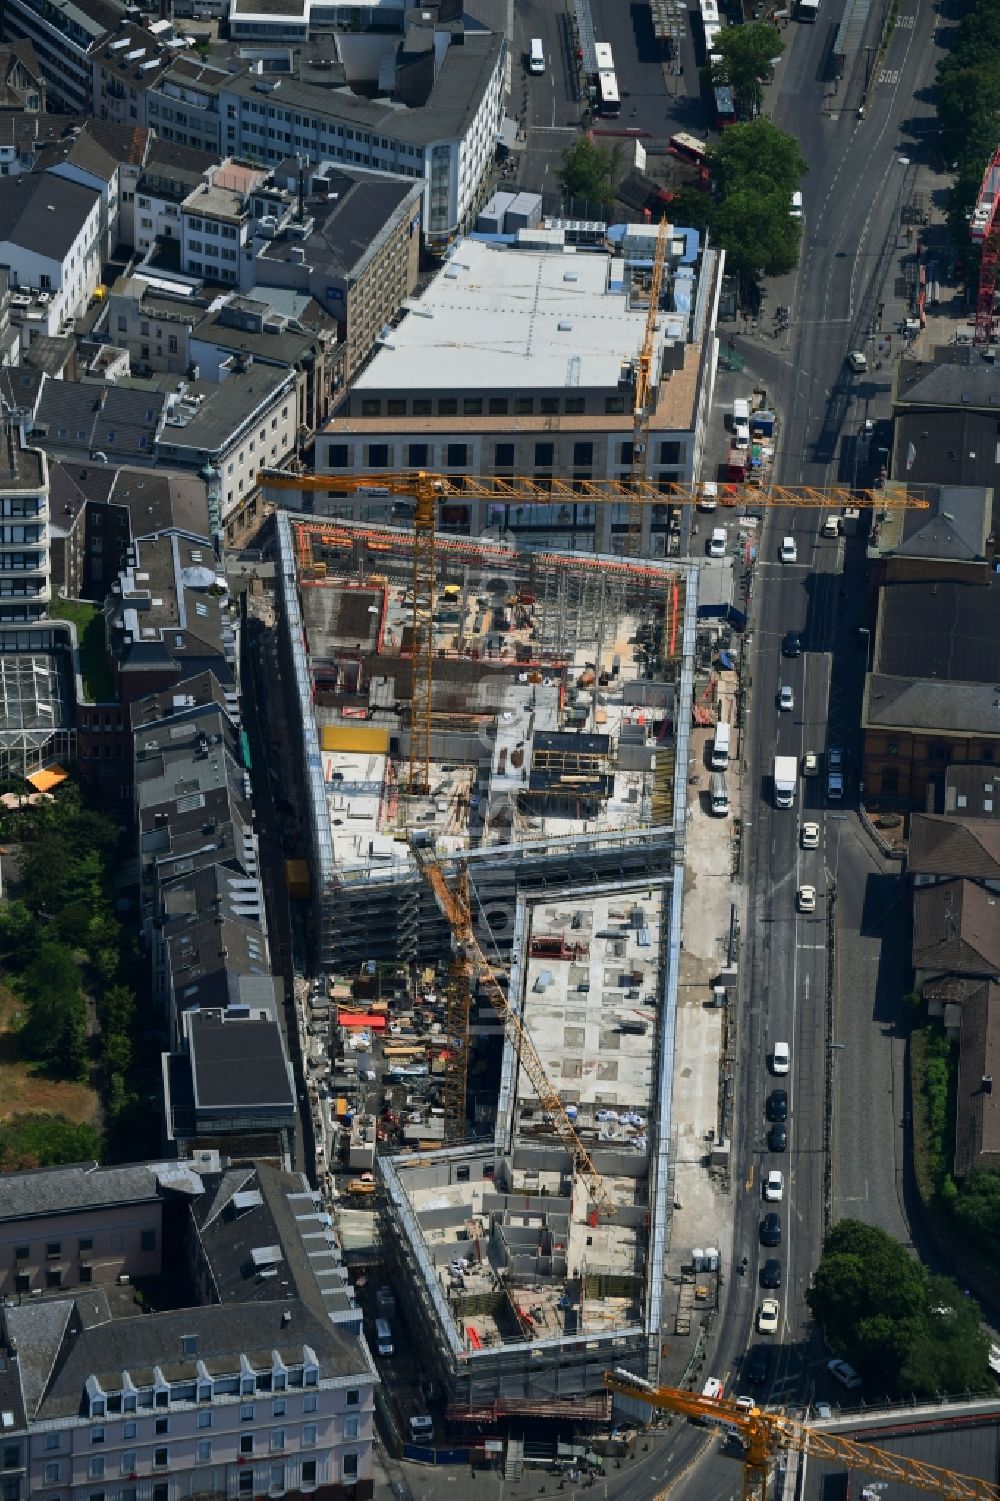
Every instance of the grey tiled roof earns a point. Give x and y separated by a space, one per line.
953 847
115 420
956 928
63 1190
43 213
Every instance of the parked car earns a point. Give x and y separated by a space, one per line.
789 552
810 836
845 1374
717 542
781 1058
774 1186
857 361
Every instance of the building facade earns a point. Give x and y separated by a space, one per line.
25 564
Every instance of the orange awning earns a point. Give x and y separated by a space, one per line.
44 781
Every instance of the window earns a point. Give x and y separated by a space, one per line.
162 1424
544 455
279 1407
416 456
246 1483
53 1470
128 1429
549 406
575 406
371 406
310 1403
97 1435
422 406
12 1456
524 405
504 456
499 406
130 1461
277 1477
246 1443
22 1252
53 1249
95 1469
53 1278
626 453
86 1243
350 1467
353 1396
51 1442
308 1472
122 323
351 1427
277 1440
310 1431
457 453
204 1420
670 453
613 405
448 406
161 1458
378 455
472 406
161 1493
337 456
204 1450
396 406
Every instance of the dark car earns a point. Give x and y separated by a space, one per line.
770 1273
777 1139
791 646
770 1229
777 1105
757 1366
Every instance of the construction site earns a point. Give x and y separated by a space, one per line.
542 786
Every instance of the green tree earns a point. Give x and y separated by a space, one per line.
760 156
977 1208
56 1029
758 233
18 932
904 1330
30 1141
588 171
747 56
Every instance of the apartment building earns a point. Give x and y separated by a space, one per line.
355 248
65 37
523 362
82 159
169 173
50 241
22 82
128 63
252 1379
25 568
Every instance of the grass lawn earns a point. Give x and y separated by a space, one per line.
98 679
26 1091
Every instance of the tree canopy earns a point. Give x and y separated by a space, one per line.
755 170
588 171
746 57
968 104
977 1208
30 1141
905 1330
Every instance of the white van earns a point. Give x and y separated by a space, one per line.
720 748
719 794
709 496
536 57
795 212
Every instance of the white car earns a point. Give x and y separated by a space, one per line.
708 497
857 361
806 899
781 1058
789 552
810 836
786 698
844 1373
767 1318
717 542
810 764
774 1186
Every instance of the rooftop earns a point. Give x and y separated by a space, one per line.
496 318
66 1190
955 528
21 467
114 420
956 928
171 603
43 213
220 411
238 1062
958 377
972 791
977 1119
943 630
950 846
346 228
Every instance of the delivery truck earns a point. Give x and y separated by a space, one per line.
785 775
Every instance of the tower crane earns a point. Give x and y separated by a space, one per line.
765 1434
456 910
984 230
428 491
645 395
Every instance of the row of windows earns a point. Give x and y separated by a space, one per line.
22 505
458 455
271 1477
54 1248
477 406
